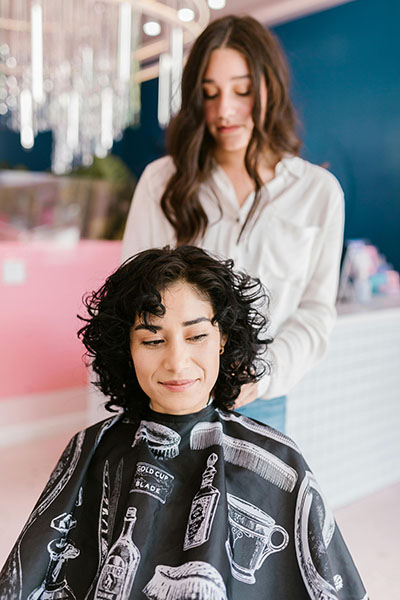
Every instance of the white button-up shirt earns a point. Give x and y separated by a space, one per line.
293 244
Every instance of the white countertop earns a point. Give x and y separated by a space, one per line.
377 303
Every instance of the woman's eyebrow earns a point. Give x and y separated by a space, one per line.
194 321
148 327
154 328
231 79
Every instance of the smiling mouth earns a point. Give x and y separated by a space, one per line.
228 128
178 385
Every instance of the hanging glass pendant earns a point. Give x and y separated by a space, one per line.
75 68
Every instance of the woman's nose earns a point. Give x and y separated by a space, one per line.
176 357
226 107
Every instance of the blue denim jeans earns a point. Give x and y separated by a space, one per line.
272 412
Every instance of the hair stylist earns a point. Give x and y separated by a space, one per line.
233 184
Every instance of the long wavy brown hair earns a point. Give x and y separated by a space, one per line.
189 141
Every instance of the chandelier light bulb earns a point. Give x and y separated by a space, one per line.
217 4
186 15
152 28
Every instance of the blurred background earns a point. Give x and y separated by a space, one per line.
66 182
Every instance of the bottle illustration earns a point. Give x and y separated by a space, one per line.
119 569
204 505
55 586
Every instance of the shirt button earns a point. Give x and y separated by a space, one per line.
238 220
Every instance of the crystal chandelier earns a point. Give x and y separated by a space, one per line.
75 67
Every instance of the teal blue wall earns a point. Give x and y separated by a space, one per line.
345 65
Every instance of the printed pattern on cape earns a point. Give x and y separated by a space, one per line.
153 481
11 580
107 514
203 508
105 426
309 546
250 538
132 526
162 441
62 472
61 550
120 566
264 430
244 454
197 580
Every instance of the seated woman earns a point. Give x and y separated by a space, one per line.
177 497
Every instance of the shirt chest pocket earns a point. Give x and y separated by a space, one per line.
283 250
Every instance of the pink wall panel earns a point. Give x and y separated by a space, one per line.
39 350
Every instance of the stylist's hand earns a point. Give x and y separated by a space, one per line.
248 393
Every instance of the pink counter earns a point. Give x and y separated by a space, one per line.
41 289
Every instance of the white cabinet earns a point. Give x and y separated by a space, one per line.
345 413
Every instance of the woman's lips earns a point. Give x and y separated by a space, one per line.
228 128
178 385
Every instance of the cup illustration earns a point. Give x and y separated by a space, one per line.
253 535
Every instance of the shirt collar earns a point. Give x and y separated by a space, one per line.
289 163
292 164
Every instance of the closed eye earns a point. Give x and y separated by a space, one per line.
209 96
213 96
153 343
198 338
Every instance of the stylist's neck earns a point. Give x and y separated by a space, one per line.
234 162
230 160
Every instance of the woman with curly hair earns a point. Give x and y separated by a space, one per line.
233 183
177 497
135 290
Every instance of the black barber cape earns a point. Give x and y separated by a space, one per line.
206 506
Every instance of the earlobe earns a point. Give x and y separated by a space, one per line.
224 339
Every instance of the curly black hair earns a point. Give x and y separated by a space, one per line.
135 289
